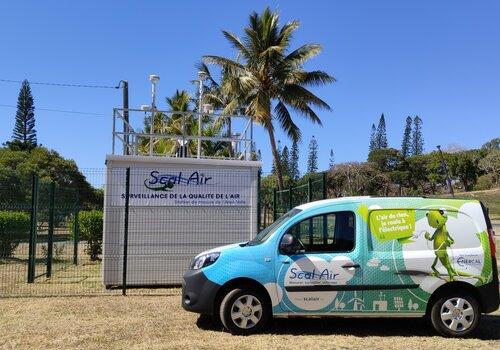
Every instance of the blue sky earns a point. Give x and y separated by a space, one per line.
439 60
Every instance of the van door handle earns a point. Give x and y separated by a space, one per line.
351 266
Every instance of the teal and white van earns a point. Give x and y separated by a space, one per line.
357 256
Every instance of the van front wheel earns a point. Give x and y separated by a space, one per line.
455 315
244 311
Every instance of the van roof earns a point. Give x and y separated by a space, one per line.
332 201
368 200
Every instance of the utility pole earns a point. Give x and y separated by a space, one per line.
445 167
153 78
201 76
125 118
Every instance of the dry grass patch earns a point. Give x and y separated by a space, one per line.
154 322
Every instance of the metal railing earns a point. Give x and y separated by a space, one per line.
137 141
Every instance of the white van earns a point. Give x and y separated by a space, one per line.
355 257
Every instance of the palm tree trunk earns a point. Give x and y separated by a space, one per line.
277 162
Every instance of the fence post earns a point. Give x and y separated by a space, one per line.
274 205
75 237
324 185
50 235
125 232
290 197
258 202
33 229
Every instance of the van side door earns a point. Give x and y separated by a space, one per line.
323 275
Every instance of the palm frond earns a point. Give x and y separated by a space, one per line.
314 78
286 122
303 109
232 107
202 67
300 93
297 57
214 98
235 42
224 62
286 32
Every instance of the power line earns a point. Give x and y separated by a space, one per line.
60 111
62 84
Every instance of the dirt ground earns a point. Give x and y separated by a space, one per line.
158 322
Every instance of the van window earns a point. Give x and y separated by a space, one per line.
263 235
326 233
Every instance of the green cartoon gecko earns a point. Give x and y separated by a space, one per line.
442 240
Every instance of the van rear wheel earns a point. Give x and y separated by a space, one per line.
244 311
455 314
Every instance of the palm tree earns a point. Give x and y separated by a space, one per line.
270 80
172 124
168 124
223 100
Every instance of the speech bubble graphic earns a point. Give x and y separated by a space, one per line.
390 224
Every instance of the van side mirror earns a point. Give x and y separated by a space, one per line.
288 244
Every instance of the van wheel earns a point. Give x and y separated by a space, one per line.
455 314
244 311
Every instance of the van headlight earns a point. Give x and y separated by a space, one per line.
204 260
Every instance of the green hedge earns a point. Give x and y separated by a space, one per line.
90 228
14 226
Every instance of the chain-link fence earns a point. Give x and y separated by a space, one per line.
274 202
153 222
47 246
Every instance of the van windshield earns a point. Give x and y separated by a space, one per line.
263 235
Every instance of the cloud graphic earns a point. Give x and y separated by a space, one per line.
384 268
319 271
373 262
275 292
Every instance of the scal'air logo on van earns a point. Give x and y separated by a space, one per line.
166 182
313 275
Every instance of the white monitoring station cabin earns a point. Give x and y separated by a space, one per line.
188 191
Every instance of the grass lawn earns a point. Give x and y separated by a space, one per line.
154 322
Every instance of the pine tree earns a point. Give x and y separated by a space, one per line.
372 138
24 128
381 135
285 162
418 138
312 159
406 144
331 162
294 161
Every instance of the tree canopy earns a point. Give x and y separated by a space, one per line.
24 135
269 78
18 166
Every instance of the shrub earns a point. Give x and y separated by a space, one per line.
14 225
484 182
90 230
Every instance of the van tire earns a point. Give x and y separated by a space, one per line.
254 315
468 313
